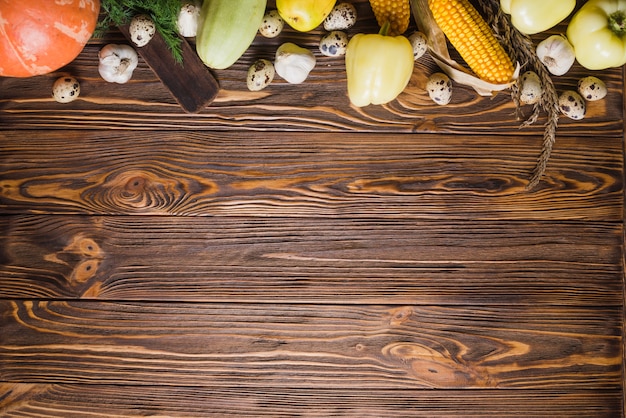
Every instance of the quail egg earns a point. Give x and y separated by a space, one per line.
530 88
572 105
342 17
439 88
142 29
592 88
66 89
334 44
260 75
272 24
419 43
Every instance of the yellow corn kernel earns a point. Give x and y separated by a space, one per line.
470 35
396 12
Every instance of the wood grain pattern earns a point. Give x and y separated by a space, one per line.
295 174
284 254
64 400
311 260
309 346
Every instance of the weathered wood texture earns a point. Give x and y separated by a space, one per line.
311 260
282 253
353 175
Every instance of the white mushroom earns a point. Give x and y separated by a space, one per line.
341 17
572 105
334 44
592 88
66 89
117 63
188 17
260 75
293 63
142 29
439 88
271 25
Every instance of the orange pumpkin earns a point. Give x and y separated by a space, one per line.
41 36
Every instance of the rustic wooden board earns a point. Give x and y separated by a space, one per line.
282 253
310 346
311 260
64 400
298 174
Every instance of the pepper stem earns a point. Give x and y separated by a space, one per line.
384 30
617 22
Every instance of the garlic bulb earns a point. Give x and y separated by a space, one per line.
117 63
188 17
293 63
557 54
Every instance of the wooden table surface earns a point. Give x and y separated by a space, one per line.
283 253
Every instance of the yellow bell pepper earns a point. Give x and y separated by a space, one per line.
598 34
534 16
378 67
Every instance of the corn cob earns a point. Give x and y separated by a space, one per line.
470 35
396 12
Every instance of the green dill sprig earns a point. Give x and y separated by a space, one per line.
164 13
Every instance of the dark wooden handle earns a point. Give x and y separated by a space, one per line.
191 83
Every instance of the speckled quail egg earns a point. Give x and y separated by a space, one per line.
342 17
334 44
66 89
572 105
439 88
530 88
592 88
260 75
419 42
142 29
272 24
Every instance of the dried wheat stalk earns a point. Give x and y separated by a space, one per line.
522 50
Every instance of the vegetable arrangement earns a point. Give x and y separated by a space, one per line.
378 66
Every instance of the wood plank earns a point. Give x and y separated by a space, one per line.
318 105
65 400
297 174
310 346
312 260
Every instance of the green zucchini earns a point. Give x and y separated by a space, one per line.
226 30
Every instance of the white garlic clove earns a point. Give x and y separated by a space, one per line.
439 88
334 44
66 89
188 18
272 24
572 105
142 29
260 75
557 54
293 63
117 63
419 42
530 88
343 16
592 88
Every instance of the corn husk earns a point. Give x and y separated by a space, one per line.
438 50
